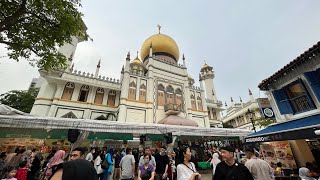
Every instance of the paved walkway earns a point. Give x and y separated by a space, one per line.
205 174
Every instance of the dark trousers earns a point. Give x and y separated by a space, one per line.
158 176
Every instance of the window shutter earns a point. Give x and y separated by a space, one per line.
282 102
313 78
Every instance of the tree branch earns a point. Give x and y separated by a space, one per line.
8 21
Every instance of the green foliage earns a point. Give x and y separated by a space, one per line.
32 29
20 100
226 125
263 122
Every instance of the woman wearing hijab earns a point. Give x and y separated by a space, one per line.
214 161
54 162
107 173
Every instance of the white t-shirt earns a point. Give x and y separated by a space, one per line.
259 169
126 166
97 165
184 173
89 157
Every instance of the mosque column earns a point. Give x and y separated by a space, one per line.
57 95
196 100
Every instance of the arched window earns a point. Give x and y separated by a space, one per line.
178 95
160 95
132 91
143 90
112 98
99 96
169 95
199 101
68 91
84 91
193 103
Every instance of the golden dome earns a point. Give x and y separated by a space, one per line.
161 43
136 60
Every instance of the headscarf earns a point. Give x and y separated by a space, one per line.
57 158
304 174
78 169
26 156
215 159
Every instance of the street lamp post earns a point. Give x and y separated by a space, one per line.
250 116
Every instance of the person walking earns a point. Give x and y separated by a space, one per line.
228 169
259 169
186 170
35 166
97 164
89 156
163 163
108 157
152 161
54 162
146 171
127 165
117 158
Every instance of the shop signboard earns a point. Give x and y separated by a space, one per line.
265 108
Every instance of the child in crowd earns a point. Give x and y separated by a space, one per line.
22 171
10 173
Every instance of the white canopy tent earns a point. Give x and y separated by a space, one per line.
49 123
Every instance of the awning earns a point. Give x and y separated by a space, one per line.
296 129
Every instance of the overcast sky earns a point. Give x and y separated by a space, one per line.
245 41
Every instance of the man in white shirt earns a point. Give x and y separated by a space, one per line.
127 165
259 168
89 156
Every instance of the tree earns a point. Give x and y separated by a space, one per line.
263 122
20 100
32 29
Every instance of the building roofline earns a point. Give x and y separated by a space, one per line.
303 58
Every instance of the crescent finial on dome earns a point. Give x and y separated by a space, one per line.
159 28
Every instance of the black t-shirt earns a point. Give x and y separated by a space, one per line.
161 162
239 172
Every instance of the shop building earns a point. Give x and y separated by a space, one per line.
294 94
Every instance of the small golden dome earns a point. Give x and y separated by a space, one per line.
136 60
161 43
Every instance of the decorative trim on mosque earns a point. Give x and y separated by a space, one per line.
155 67
131 100
197 110
91 76
157 58
78 102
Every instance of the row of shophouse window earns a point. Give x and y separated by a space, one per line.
84 92
295 97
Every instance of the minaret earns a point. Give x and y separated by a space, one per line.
207 75
98 69
184 60
69 49
124 90
251 96
232 103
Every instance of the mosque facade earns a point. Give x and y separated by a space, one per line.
153 88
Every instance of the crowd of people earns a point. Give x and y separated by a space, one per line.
110 164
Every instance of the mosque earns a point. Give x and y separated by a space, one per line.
153 88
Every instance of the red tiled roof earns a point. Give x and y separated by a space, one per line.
307 55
